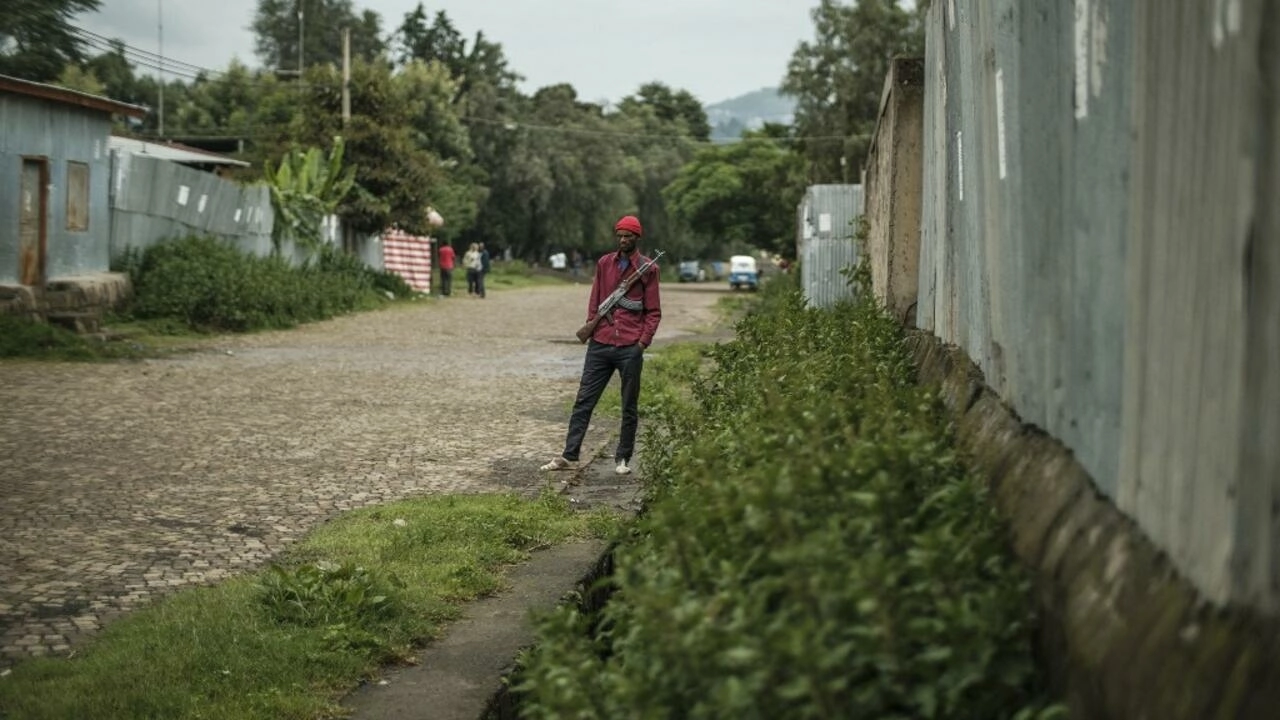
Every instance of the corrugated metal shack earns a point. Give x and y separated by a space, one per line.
55 170
826 241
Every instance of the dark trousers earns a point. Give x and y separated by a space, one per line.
446 282
472 279
597 370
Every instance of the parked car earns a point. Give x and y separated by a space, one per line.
692 271
743 272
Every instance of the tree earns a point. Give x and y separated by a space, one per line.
400 176
428 91
837 80
305 188
677 107
743 194
116 73
85 81
37 40
276 24
439 41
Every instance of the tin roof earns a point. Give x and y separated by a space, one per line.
69 97
171 151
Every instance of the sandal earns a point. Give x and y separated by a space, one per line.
558 463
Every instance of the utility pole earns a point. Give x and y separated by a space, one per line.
160 34
300 36
346 76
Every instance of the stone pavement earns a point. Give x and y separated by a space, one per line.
125 481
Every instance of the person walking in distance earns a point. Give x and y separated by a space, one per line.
447 260
471 261
618 343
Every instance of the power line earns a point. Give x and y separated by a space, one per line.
102 42
151 61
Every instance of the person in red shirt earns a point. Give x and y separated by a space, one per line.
618 344
448 258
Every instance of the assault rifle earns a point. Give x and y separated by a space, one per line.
606 306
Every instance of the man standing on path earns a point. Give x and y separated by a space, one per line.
447 260
618 343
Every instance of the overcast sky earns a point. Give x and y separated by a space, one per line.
716 49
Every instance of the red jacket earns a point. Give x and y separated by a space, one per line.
447 257
627 327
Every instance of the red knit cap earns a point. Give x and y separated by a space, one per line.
629 223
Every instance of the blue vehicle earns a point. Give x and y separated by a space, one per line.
743 272
691 271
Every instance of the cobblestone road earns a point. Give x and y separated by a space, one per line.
120 482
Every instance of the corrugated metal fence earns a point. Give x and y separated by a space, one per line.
826 241
153 200
1093 204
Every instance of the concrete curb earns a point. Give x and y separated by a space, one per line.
461 676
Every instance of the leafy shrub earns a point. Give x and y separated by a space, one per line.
328 594
812 548
211 285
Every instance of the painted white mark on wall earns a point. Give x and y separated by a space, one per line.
184 192
200 205
1226 21
951 14
960 165
1233 17
1082 58
97 149
1000 148
824 222
237 218
1097 45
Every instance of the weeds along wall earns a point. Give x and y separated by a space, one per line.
153 200
1100 235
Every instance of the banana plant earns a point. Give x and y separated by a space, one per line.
306 187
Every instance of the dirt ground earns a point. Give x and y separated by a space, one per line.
124 481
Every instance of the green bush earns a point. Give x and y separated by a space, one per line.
812 547
211 286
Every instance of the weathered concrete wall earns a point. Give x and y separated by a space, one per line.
1099 236
894 187
1123 635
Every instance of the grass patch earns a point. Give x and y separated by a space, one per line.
24 338
511 275
288 641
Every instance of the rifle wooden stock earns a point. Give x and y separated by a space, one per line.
588 329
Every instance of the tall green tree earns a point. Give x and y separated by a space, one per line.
837 80
679 108
399 175
276 24
119 80
656 150
37 40
438 40
742 195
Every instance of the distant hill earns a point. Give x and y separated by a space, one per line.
728 118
